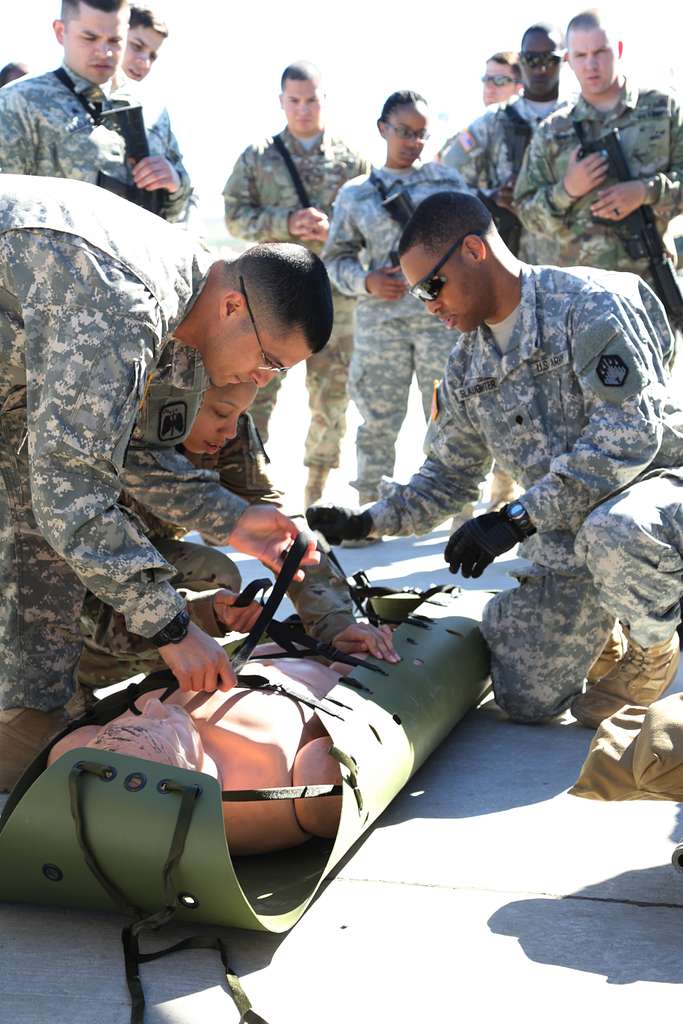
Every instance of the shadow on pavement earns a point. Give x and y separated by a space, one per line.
489 764
623 941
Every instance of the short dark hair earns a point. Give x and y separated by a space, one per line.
554 32
11 72
443 217
70 7
589 19
405 98
291 289
300 71
509 59
145 17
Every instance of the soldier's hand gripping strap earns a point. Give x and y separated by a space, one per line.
130 935
285 577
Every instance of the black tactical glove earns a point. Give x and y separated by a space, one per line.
338 524
477 542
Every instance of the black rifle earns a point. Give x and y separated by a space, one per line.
128 121
517 139
638 231
399 206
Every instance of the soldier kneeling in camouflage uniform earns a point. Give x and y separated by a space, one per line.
560 375
223 441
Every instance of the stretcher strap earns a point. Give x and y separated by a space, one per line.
285 577
280 793
130 936
263 683
352 768
297 644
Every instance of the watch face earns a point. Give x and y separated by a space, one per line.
516 509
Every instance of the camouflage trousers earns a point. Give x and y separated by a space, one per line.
111 654
40 641
545 634
326 380
384 360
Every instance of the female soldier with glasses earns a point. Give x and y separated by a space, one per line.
394 336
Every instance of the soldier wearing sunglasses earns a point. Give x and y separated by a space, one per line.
394 339
561 376
501 78
566 192
489 155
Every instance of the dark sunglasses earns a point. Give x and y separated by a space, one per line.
497 79
539 60
428 287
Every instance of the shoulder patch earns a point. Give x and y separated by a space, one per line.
172 421
467 141
612 371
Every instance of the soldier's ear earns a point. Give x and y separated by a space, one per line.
58 28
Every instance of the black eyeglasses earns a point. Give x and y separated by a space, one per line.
268 363
428 287
404 132
539 60
498 79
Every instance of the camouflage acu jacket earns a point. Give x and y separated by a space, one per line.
575 410
364 236
259 194
651 129
482 155
45 130
91 291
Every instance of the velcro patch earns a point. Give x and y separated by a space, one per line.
479 387
467 141
612 371
549 363
172 421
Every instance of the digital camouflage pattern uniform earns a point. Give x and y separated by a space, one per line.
159 480
578 411
482 155
45 130
82 325
394 339
259 197
651 129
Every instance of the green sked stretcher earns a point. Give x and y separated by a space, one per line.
100 831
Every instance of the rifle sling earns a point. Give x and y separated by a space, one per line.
298 184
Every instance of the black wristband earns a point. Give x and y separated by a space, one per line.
174 631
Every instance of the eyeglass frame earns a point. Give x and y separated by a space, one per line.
269 364
436 268
408 134
499 80
535 59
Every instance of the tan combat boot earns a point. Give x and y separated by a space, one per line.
315 485
611 654
23 734
503 489
642 675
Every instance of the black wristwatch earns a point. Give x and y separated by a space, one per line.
174 631
518 515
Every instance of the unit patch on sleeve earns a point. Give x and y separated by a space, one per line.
172 421
467 141
612 371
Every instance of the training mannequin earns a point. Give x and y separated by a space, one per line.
247 739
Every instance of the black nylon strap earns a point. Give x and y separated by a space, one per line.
93 109
298 184
285 577
280 793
